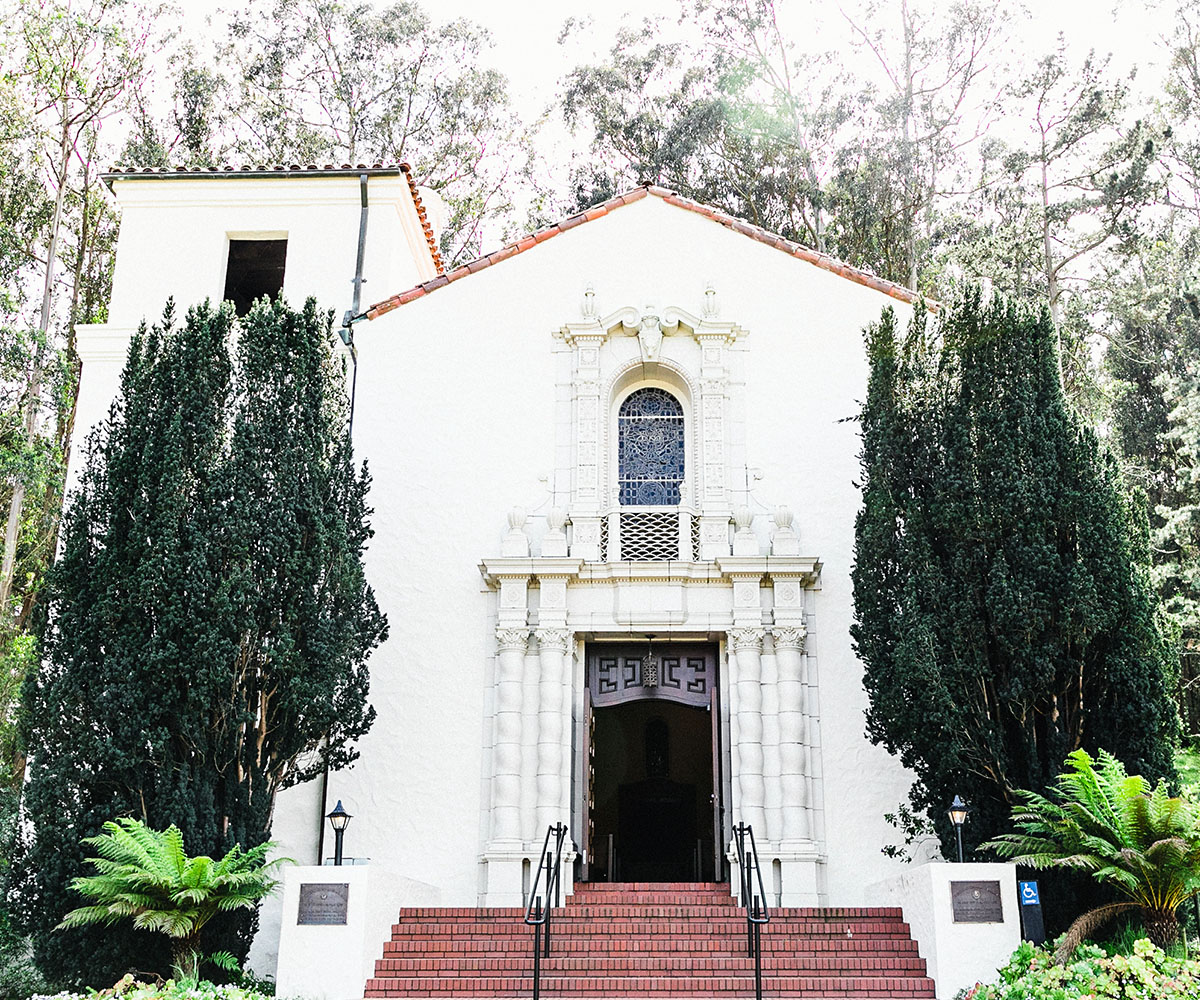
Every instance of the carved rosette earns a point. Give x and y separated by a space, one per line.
556 639
512 638
746 638
789 636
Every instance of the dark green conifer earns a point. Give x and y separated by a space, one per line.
1002 607
208 621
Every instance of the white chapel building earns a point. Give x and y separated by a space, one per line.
614 473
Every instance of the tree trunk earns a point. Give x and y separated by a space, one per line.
185 956
1162 927
16 504
910 168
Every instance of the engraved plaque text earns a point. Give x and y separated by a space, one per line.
976 902
323 902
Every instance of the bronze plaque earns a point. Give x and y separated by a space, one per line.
976 903
323 902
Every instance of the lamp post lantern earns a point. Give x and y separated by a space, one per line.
339 819
958 816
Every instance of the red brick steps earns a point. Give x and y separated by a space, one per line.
672 941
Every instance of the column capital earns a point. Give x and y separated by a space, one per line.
746 638
789 636
554 638
512 638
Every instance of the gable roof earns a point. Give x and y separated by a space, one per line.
119 173
757 233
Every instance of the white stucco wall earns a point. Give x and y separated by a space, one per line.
463 410
456 415
175 235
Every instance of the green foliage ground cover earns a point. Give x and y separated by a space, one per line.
1148 973
130 989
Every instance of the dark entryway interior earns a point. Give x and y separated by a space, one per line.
255 269
652 813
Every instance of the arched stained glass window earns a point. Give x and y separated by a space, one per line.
650 449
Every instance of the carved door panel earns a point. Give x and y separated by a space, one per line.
685 673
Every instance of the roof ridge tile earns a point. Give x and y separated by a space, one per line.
756 233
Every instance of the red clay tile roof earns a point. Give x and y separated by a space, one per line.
430 236
293 170
821 260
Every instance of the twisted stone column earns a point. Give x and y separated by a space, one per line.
552 650
747 645
789 655
506 735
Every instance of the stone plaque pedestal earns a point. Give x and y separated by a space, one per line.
963 917
325 952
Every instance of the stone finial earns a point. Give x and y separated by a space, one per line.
554 541
712 306
588 306
516 542
784 540
745 542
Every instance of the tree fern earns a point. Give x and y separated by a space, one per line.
146 875
1141 841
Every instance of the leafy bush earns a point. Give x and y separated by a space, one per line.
129 989
1148 974
19 977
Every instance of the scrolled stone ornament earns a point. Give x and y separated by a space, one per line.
746 638
789 636
512 638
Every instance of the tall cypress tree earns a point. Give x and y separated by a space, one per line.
1002 605
209 620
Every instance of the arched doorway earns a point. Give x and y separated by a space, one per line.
653 777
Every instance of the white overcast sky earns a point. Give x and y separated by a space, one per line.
526 49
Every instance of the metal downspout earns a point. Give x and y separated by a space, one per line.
347 335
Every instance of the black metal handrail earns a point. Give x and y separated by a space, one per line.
549 861
757 912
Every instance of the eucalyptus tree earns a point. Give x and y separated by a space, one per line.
1181 100
735 117
939 64
74 64
320 81
1087 163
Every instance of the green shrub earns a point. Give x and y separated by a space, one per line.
129 989
1089 974
19 977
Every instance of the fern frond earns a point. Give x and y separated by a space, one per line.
1085 926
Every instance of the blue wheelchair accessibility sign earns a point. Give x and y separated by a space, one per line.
1029 894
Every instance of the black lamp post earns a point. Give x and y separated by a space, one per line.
339 819
958 816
